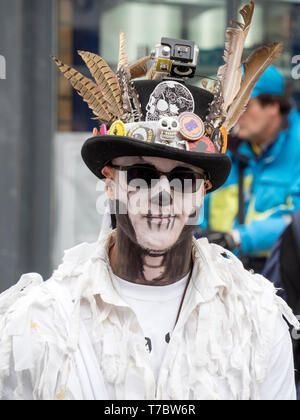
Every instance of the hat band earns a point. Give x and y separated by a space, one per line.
168 131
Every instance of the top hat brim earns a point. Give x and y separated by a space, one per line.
100 150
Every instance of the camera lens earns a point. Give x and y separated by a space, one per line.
166 51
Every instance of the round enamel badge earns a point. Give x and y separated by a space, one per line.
117 129
141 132
203 145
191 126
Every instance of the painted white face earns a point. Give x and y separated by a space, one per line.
158 214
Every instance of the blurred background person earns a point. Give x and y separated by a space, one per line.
255 205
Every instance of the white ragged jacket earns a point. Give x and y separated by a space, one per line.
73 337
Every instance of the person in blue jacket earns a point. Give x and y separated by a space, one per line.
255 204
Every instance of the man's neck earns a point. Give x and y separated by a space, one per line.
136 265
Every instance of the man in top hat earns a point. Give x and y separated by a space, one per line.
148 312
263 189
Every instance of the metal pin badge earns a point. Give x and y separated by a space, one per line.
117 129
191 126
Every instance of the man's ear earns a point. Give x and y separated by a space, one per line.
207 186
109 174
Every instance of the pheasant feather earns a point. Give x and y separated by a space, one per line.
88 90
106 80
112 96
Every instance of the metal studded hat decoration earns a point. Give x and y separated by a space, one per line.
164 115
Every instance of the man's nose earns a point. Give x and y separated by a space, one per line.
162 194
163 198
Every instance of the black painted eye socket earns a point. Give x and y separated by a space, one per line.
186 180
174 124
164 123
183 180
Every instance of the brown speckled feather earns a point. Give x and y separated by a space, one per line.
87 89
106 80
139 68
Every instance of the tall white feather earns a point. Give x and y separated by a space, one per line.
230 74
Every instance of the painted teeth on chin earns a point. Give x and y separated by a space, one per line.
160 217
173 223
159 225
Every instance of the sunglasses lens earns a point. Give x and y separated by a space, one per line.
142 173
183 181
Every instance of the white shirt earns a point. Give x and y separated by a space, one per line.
230 341
156 308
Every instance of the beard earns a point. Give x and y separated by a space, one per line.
145 246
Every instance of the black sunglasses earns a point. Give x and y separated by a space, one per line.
189 179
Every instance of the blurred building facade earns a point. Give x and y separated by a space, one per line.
49 201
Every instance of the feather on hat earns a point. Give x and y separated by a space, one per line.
107 95
232 91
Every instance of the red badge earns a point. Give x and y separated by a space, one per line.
191 126
204 145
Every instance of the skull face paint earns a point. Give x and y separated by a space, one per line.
169 99
154 238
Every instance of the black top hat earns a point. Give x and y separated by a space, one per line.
160 99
